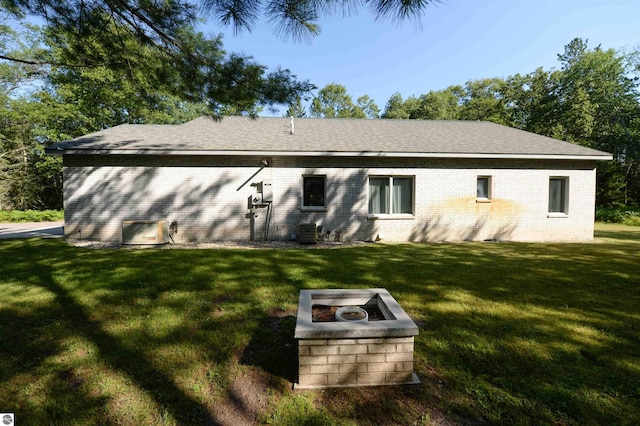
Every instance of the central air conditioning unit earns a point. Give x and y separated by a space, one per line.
144 232
307 233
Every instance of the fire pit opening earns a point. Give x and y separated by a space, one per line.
351 314
325 313
332 353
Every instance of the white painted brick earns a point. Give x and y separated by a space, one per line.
208 199
308 360
313 379
399 357
312 342
342 379
324 350
341 359
399 340
371 378
368 358
324 368
304 350
372 340
350 368
381 366
341 342
353 349
381 348
404 347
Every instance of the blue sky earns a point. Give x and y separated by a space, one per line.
460 40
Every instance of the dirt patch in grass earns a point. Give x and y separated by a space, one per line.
388 405
247 398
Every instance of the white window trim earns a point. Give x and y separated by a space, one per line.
489 189
394 216
565 213
314 208
391 216
558 215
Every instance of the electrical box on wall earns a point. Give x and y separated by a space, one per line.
255 200
267 191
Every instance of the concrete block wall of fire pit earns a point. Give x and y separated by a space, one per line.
344 354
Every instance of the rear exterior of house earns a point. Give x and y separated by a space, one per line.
390 180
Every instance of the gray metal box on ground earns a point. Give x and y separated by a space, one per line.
144 232
307 233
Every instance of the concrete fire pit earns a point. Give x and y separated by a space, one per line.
354 353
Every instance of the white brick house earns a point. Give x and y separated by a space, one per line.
396 180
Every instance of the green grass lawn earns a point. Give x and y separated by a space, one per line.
510 333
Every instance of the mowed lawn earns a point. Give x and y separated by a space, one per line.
510 333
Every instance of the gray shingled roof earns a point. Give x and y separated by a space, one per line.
315 136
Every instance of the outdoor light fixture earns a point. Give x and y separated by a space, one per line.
264 162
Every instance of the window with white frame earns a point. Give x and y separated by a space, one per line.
559 195
313 190
483 188
390 195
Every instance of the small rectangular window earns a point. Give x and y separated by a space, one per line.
483 188
558 195
390 195
313 191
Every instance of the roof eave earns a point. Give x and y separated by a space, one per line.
595 157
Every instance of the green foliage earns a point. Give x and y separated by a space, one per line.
156 39
31 215
593 100
395 108
296 109
333 101
68 102
441 105
29 179
484 100
620 215
366 108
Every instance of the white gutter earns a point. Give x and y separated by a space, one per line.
332 154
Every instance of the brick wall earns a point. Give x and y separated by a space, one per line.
207 196
355 362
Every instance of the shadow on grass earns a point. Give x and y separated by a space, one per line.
134 364
618 233
273 348
509 333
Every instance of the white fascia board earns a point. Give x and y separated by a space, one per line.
335 154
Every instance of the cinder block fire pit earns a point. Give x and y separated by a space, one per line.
369 343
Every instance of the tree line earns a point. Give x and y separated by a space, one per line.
96 64
592 100
53 88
